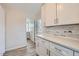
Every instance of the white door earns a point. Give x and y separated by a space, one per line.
68 13
2 31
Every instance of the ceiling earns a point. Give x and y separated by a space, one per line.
30 8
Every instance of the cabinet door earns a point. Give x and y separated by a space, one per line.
59 50
63 51
41 48
50 11
76 53
68 13
43 15
45 43
54 51
44 47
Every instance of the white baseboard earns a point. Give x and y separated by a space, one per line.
15 48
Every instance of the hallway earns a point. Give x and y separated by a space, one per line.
25 51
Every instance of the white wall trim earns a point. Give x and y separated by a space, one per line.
15 47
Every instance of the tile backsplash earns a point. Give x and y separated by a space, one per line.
65 30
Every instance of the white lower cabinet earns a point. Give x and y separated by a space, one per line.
76 53
46 48
41 47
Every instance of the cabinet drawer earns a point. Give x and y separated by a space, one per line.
76 53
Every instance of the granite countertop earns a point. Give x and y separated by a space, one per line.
64 41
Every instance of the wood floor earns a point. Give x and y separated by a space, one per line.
25 51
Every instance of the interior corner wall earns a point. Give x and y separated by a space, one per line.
15 28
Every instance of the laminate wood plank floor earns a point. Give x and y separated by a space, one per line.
24 51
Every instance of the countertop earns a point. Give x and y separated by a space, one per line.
64 41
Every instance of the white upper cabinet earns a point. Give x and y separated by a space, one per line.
48 13
60 14
68 13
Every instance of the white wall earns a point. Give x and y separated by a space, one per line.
2 30
15 28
